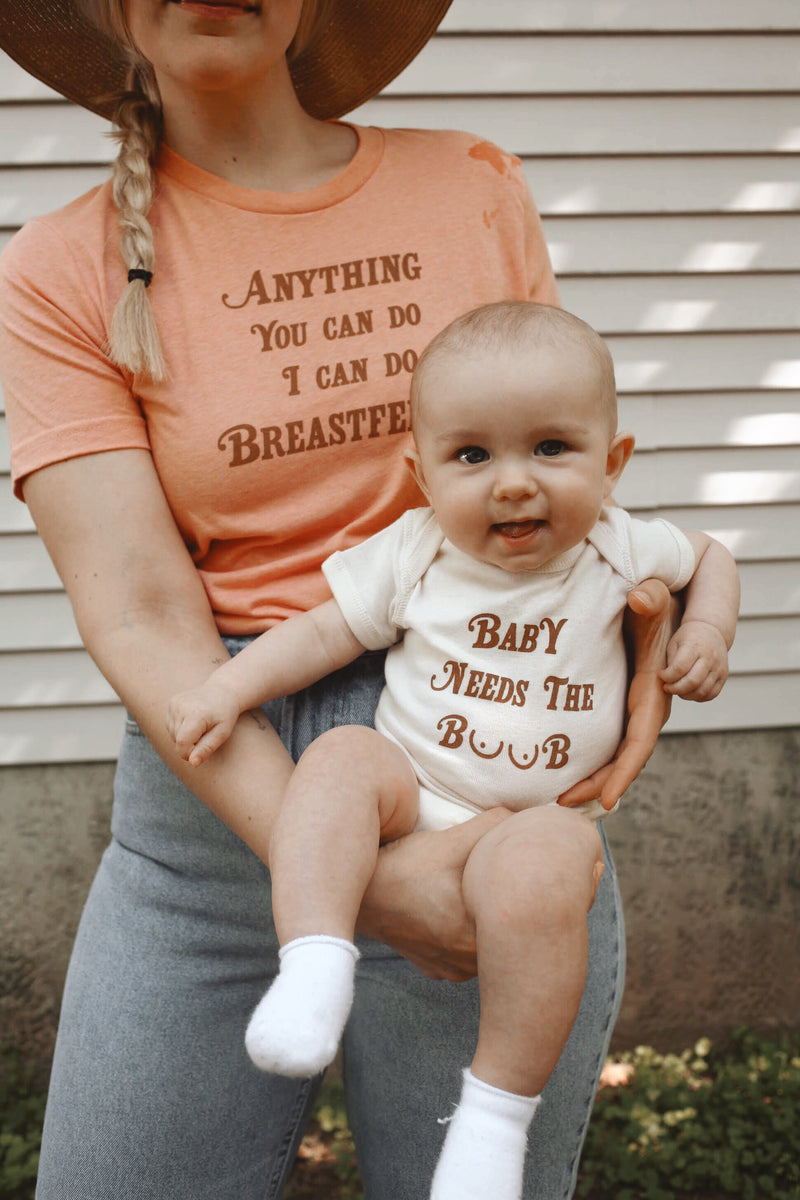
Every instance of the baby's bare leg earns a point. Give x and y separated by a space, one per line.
529 884
351 790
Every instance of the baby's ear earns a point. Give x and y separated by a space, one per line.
415 467
620 449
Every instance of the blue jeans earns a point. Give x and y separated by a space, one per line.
152 1095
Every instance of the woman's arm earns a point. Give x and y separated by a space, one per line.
144 617
143 614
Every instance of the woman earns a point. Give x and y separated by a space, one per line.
192 442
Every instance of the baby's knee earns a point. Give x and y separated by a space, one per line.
540 864
344 746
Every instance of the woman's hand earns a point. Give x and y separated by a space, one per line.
652 617
414 901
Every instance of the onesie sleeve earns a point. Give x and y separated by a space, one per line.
63 396
661 551
371 582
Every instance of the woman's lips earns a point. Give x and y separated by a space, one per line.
215 9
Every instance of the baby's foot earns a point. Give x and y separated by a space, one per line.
484 1150
296 1028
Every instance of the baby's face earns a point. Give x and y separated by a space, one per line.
516 451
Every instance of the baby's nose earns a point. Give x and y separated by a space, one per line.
514 480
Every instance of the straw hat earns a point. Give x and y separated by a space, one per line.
361 46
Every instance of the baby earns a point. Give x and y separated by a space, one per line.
505 684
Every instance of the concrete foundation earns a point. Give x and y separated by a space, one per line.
707 846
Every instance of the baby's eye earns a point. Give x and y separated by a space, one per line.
472 455
551 448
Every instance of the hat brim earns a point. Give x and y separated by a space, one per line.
361 47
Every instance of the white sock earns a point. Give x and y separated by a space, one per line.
484 1151
295 1029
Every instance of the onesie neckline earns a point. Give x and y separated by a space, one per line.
360 168
554 566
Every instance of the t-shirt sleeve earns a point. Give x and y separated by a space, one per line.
662 551
539 270
63 396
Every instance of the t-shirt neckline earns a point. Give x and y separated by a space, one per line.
360 168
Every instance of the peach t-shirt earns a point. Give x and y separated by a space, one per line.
290 324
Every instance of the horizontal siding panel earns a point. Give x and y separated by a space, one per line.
766 645
673 184
16 84
55 133
49 679
32 191
673 245
769 589
556 65
673 420
685 303
25 565
751 533
746 702
604 124
37 621
653 15
658 478
706 362
14 516
51 735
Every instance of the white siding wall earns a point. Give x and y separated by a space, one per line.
662 145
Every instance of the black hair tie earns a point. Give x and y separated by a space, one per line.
140 273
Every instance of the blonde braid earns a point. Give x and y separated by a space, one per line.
134 342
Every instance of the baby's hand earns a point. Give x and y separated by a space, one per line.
697 662
201 720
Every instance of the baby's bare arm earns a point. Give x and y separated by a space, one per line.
697 654
284 659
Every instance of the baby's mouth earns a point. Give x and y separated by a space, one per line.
517 529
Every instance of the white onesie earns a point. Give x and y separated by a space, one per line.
502 688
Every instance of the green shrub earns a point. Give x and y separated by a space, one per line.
699 1124
22 1099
